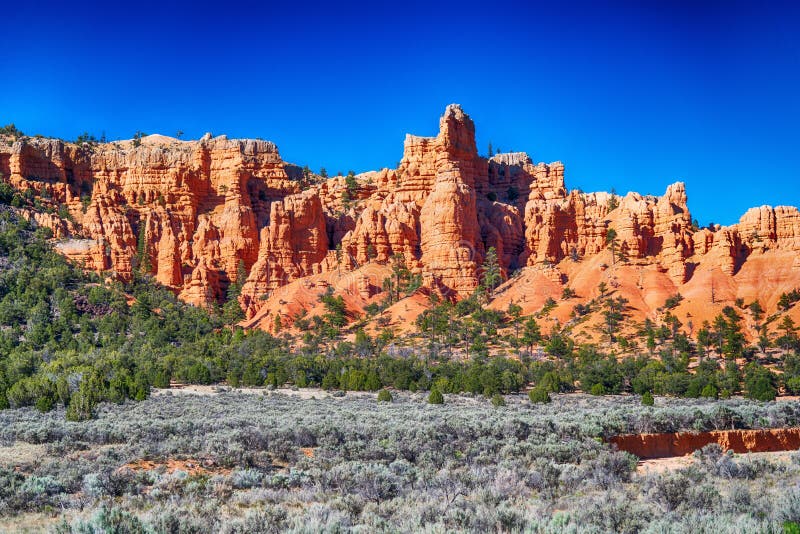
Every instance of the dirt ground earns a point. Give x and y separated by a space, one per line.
304 393
189 466
21 454
660 465
31 522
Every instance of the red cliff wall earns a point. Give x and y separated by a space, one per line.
681 443
192 211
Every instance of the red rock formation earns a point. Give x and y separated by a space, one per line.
445 205
647 446
89 253
192 211
759 230
658 228
448 218
294 244
196 205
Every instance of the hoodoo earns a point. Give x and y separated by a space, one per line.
194 213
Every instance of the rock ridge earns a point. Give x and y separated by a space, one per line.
196 214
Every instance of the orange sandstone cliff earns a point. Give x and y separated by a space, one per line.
196 214
647 446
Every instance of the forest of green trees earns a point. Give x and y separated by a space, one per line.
69 338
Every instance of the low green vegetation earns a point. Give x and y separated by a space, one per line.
435 396
71 340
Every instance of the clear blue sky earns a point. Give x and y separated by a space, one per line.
629 95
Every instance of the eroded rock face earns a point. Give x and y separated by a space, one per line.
666 445
445 205
192 212
759 230
450 245
294 244
188 212
655 229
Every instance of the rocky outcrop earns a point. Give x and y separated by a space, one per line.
647 446
445 205
187 212
450 245
563 226
294 244
766 227
197 215
87 252
576 225
759 230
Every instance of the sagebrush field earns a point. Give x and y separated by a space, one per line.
243 462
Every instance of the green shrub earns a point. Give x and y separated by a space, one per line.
384 396
539 395
673 301
498 400
7 192
45 403
80 406
647 399
759 383
435 396
112 520
710 391
598 389
793 385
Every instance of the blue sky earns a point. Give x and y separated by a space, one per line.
630 95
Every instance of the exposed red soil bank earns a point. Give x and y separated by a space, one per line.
681 443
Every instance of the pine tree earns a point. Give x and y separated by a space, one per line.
611 241
531 333
231 310
613 200
514 311
82 403
492 275
399 278
142 252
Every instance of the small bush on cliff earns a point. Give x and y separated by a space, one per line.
787 299
11 130
647 399
673 301
384 396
